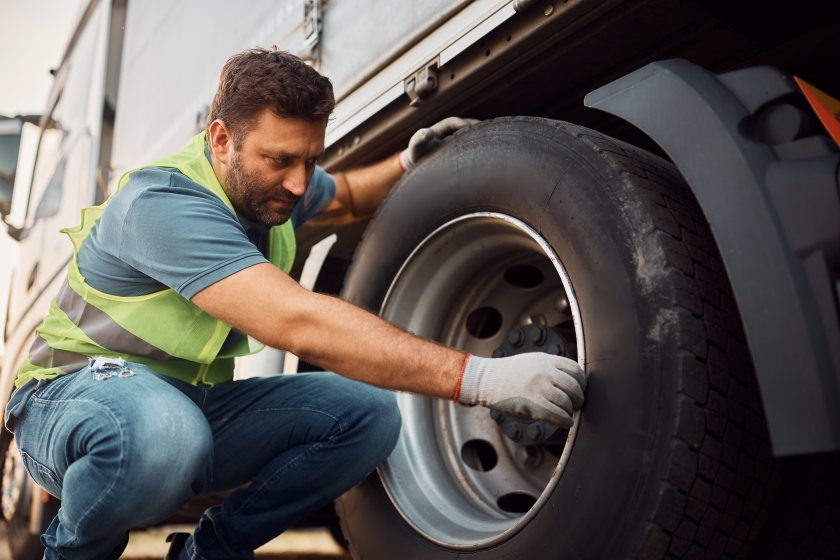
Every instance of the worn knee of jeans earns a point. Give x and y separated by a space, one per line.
175 444
168 456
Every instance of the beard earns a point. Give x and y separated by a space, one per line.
257 202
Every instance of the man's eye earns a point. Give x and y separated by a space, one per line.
281 162
313 162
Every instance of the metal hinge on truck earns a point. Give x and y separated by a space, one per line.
422 84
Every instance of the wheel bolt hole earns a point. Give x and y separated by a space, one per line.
524 276
484 322
479 455
516 502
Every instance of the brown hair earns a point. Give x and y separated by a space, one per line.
256 79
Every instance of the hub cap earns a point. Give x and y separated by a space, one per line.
461 477
14 481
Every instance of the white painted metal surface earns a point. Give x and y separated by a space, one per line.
172 54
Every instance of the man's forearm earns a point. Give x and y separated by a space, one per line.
367 187
362 346
265 303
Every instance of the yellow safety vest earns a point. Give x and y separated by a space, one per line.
163 329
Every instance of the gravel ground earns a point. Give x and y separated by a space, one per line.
298 544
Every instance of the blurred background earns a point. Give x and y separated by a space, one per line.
35 33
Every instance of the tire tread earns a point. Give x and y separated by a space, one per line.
715 496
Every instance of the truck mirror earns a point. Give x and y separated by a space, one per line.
18 146
10 130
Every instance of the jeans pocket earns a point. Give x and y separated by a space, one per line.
41 474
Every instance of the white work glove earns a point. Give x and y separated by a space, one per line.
533 386
426 140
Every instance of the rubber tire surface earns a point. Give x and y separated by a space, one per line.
671 458
22 544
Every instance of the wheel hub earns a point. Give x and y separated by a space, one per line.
488 284
14 479
521 340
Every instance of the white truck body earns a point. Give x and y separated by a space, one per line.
157 63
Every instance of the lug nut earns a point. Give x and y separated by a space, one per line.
535 432
516 337
512 431
496 415
498 353
538 336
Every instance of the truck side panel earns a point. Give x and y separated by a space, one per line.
165 89
350 54
65 176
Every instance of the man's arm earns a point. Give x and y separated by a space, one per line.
359 192
265 303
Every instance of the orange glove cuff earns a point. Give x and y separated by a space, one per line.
399 161
457 392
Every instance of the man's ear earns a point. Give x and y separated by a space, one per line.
220 139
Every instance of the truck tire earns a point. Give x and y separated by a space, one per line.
527 234
17 489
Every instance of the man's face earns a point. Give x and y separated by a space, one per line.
272 166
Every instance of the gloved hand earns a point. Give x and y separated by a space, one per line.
534 386
425 140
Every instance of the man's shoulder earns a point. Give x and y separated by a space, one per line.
160 186
162 229
161 179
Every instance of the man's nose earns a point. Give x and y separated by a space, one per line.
295 180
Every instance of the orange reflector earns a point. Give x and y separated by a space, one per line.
826 107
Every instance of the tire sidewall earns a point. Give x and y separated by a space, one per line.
23 544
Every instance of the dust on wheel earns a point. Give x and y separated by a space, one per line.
17 489
16 502
528 234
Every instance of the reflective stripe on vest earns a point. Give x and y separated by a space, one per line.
163 329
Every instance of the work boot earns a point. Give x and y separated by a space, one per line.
176 546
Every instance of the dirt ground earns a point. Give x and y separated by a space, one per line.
298 544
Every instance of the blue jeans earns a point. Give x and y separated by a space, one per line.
127 451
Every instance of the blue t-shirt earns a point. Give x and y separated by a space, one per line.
163 230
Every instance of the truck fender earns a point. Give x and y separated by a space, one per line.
767 182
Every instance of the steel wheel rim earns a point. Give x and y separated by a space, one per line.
437 477
14 481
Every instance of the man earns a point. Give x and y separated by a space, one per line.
126 407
